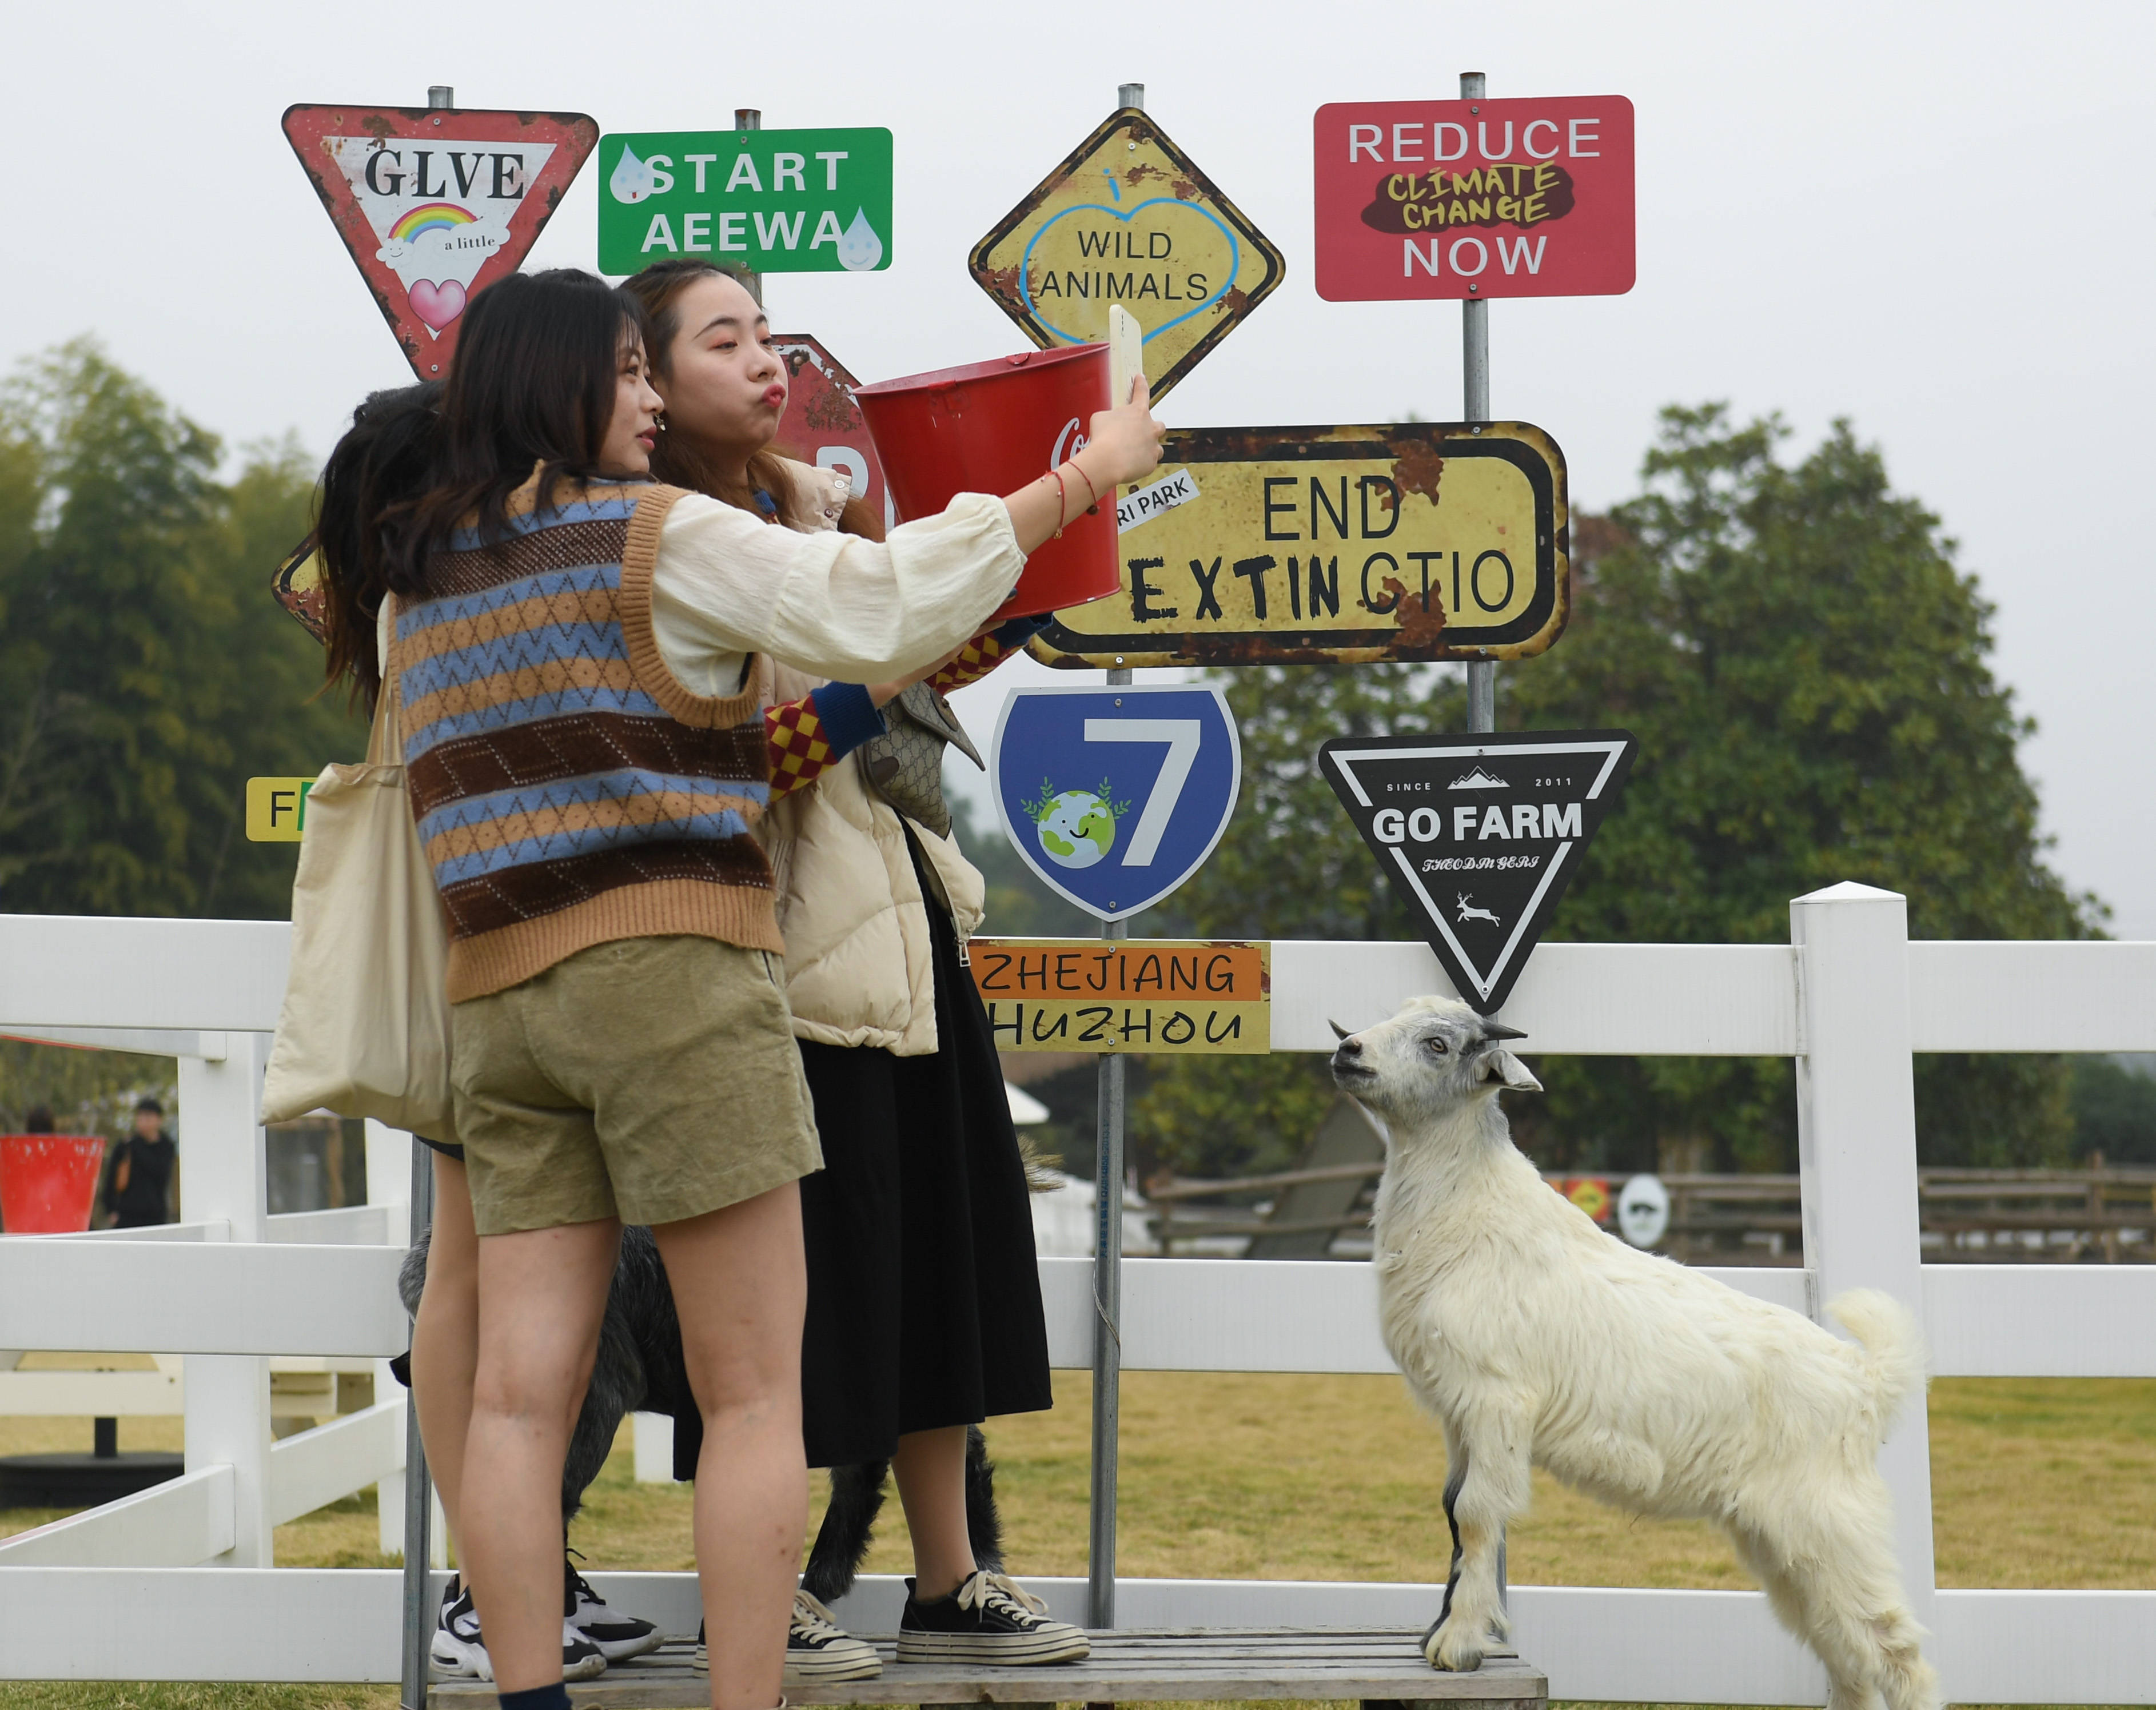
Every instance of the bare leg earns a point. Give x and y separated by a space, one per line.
741 1288
445 1337
932 1483
543 1294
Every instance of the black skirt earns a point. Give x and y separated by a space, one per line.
924 1297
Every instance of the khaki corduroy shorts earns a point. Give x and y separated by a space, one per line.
647 1078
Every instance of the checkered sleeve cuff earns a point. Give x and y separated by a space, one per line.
793 737
804 736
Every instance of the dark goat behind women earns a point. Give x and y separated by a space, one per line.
639 1369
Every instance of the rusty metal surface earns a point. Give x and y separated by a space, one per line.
822 423
297 586
1128 217
1342 545
480 190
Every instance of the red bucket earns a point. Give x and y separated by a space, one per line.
991 428
48 1182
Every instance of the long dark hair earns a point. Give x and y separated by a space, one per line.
533 383
385 459
658 290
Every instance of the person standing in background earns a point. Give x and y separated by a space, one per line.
140 1190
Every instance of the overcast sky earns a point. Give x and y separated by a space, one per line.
1930 218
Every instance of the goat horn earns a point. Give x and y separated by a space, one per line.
1338 1032
1497 1030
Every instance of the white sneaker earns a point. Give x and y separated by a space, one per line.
458 1650
618 1636
455 1649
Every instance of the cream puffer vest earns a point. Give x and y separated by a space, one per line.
859 970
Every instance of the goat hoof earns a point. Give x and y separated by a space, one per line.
1450 1650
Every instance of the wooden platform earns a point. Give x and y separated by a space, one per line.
1378 1665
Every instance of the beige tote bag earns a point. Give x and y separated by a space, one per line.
365 1027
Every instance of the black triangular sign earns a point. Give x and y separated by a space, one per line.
1481 832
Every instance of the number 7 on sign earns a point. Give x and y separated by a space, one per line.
1182 736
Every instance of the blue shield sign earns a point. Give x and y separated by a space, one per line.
1115 796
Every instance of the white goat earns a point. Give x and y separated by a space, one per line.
1536 1338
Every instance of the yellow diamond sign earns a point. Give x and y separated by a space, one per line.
1128 218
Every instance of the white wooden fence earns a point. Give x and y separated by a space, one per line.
1850 999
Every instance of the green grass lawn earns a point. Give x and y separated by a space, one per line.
2036 1482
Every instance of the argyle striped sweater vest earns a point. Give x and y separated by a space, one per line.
570 790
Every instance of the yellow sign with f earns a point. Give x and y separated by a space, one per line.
277 809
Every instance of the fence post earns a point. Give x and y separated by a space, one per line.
224 1174
1856 1149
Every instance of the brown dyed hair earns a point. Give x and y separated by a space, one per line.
658 290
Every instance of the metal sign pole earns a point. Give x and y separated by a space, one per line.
1474 401
1475 405
1108 1312
1107 1267
1475 386
420 1615
751 119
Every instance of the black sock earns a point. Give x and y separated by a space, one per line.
553 1697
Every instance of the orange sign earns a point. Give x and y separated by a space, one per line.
1135 994
1590 1194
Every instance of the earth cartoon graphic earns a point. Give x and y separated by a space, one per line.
1077 827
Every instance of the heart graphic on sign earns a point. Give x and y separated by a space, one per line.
436 305
1187 212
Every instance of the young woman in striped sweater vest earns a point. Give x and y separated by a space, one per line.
579 656
924 1308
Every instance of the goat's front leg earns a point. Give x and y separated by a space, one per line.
1487 1486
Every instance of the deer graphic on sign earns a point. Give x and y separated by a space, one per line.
1528 803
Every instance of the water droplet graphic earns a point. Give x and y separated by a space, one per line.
632 178
860 249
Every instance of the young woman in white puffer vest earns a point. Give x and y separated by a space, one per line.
924 1299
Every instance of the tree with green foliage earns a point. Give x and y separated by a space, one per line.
2115 1109
145 673
1808 673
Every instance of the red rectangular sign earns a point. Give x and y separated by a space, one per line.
1481 199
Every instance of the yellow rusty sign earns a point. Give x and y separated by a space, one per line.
1179 996
276 809
1127 219
1261 545
297 587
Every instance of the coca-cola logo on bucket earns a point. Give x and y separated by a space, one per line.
1068 444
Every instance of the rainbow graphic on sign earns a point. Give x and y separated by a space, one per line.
431 217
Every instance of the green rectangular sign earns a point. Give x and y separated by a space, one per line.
775 201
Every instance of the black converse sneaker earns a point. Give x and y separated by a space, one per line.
818 1649
618 1636
991 1619
457 1649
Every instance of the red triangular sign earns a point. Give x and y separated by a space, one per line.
437 204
